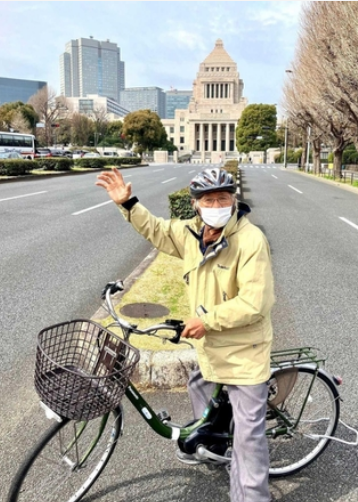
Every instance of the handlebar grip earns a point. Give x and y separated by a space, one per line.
114 287
179 329
178 326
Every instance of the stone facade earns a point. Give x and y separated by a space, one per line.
206 129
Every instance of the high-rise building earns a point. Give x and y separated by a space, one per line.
144 98
96 106
90 66
176 100
15 89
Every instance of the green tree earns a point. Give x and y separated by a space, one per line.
114 135
18 116
256 129
145 129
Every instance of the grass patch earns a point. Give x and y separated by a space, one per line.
161 283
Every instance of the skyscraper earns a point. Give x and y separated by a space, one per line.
176 100
90 66
142 98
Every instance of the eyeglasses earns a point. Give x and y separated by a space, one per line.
223 201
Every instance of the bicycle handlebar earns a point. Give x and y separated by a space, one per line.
170 324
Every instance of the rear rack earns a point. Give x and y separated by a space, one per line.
289 358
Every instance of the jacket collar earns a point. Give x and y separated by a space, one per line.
235 224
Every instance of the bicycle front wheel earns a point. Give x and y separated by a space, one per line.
311 404
67 460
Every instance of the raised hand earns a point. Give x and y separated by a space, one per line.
113 182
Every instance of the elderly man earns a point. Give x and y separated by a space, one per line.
227 268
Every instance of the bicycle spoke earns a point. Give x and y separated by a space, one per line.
312 408
65 465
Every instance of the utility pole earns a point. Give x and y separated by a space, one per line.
308 149
285 147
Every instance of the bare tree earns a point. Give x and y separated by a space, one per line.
49 109
19 123
320 77
81 129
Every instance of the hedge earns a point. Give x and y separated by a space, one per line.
14 167
180 206
92 162
179 202
101 162
54 164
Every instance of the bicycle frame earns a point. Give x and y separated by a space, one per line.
168 431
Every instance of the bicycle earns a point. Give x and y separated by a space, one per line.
95 366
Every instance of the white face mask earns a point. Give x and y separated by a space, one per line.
216 217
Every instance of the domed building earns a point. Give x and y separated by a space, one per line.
206 129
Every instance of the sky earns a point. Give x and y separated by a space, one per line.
161 43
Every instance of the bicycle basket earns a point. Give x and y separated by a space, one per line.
82 369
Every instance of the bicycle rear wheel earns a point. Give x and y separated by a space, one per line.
67 460
311 403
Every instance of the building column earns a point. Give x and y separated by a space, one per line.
218 137
201 141
210 137
227 138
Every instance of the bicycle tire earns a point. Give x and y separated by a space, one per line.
289 453
49 471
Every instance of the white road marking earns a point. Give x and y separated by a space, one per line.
93 207
170 179
21 196
349 222
157 170
293 188
192 172
274 176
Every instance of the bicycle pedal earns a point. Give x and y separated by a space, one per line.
163 415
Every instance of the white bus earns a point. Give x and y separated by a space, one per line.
25 144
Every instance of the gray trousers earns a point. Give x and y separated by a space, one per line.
250 457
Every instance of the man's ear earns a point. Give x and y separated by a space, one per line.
194 205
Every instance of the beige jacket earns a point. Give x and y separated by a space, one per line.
233 281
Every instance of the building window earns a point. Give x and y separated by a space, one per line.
172 130
182 139
182 128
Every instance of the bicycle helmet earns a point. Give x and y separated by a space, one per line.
212 180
